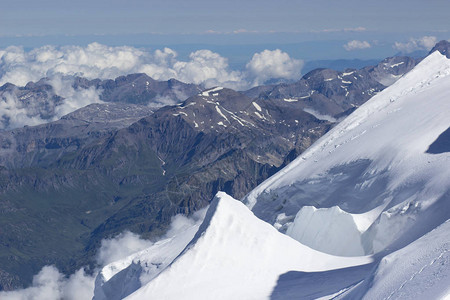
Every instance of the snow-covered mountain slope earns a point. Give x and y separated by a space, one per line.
233 255
421 270
120 278
373 165
370 186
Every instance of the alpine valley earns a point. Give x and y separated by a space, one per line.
333 186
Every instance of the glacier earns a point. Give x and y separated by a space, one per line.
362 214
375 158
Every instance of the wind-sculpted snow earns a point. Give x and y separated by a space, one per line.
332 230
421 270
234 255
376 157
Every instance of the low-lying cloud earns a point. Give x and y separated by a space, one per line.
120 247
19 67
423 43
357 45
58 64
180 223
50 284
18 109
273 65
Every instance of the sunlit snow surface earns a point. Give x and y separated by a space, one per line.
368 187
374 158
120 278
421 270
235 255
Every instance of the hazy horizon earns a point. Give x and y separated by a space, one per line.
306 30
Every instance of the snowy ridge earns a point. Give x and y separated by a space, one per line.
231 247
375 157
332 230
120 278
432 70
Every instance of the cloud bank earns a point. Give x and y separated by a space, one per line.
19 67
56 64
50 284
357 45
423 43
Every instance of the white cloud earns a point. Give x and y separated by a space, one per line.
357 45
120 247
423 43
19 67
204 67
356 29
50 284
30 110
99 61
73 98
180 223
13 114
273 64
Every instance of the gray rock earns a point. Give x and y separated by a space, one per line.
443 47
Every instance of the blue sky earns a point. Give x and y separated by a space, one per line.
199 16
307 28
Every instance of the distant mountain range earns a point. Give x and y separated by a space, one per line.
127 164
40 100
338 64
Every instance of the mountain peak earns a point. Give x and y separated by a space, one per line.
443 47
232 246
